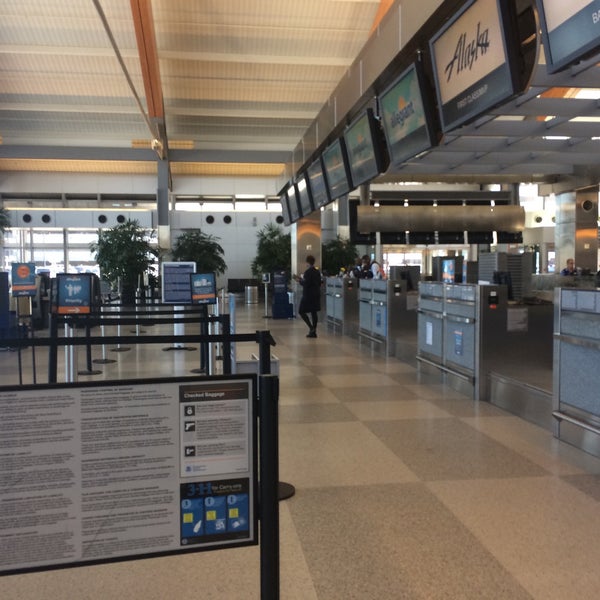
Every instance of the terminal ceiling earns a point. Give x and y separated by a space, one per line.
230 88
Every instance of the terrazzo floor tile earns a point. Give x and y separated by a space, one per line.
588 484
378 410
315 413
535 443
313 455
395 393
314 395
394 541
446 449
538 528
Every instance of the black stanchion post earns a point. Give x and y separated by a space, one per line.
88 351
268 487
53 349
286 490
226 329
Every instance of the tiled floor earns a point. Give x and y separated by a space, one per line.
404 489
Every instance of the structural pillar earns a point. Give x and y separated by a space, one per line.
162 205
576 234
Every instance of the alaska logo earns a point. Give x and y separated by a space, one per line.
467 52
405 110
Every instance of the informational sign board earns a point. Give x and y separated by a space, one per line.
570 30
96 472
73 293
176 287
204 288
23 279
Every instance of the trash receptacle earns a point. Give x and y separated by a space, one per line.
251 294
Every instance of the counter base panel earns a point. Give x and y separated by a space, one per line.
528 402
577 436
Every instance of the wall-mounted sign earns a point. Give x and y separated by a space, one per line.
23 279
474 61
74 293
406 116
570 30
176 282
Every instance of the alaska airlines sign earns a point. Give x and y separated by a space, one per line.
472 64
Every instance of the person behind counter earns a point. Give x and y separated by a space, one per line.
570 268
310 302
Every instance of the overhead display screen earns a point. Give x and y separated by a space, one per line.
285 210
293 203
336 169
304 195
474 68
406 117
570 29
176 282
364 149
318 185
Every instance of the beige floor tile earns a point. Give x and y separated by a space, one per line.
330 454
539 528
376 410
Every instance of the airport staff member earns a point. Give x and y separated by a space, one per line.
570 268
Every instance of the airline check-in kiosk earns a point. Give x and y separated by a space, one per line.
456 323
381 307
576 385
341 304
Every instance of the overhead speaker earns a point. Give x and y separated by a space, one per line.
102 219
46 218
121 219
227 219
210 219
26 218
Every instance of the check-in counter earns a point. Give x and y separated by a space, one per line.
453 322
576 372
381 304
341 304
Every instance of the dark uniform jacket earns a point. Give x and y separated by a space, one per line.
311 291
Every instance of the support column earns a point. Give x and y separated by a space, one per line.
162 205
576 234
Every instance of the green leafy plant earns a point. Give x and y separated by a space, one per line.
201 248
273 252
4 220
124 254
336 254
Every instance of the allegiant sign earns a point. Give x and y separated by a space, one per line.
472 65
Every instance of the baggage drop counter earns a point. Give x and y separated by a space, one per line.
381 307
341 304
576 396
453 322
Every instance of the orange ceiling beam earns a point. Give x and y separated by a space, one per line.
148 53
384 6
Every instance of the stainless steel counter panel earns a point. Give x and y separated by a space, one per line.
451 339
341 304
383 312
576 395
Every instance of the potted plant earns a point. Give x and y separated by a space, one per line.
273 252
4 220
201 248
124 254
337 254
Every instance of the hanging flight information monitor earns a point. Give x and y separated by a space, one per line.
570 30
474 61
